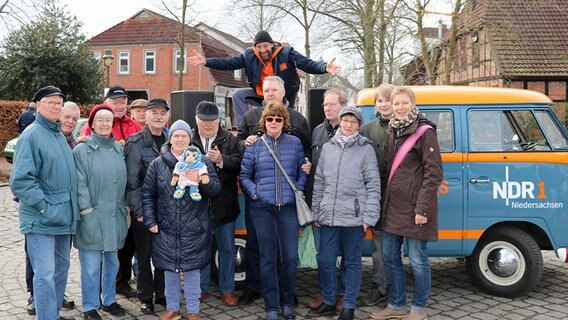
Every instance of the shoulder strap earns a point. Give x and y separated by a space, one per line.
278 164
405 148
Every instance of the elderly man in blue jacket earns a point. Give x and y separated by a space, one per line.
44 180
266 58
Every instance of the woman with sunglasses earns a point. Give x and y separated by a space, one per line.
273 207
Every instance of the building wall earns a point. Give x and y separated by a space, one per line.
164 81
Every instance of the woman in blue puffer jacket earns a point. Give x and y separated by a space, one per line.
182 227
273 207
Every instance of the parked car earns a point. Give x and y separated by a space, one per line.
503 196
11 145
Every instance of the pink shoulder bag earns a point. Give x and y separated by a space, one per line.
405 148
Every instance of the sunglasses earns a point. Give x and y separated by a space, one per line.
278 120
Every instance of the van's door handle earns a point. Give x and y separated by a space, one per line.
475 180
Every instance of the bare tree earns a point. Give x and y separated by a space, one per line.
304 13
184 15
15 13
250 16
361 25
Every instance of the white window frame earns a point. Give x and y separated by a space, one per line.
238 74
98 56
177 53
149 55
123 56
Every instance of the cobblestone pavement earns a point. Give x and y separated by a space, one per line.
453 297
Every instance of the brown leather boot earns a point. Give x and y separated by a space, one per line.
193 316
316 302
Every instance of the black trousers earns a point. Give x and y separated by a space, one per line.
150 284
125 256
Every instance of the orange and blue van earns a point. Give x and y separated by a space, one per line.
503 198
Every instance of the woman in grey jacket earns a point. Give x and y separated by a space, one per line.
102 227
346 201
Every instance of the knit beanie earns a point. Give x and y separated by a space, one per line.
96 109
262 36
180 124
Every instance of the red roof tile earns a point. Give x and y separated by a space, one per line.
528 37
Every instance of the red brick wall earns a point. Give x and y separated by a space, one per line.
164 81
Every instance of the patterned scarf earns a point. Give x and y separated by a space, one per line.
395 124
343 140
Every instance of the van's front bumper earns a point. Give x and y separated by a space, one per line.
562 254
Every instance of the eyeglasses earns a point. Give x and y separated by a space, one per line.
52 103
329 104
277 119
353 122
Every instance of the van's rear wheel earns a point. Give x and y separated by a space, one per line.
240 275
506 262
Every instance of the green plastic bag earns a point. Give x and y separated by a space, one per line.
307 249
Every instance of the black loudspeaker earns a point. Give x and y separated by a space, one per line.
184 103
315 109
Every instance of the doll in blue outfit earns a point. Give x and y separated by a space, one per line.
191 159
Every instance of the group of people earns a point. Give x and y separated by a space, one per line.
119 182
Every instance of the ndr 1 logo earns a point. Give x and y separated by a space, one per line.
522 190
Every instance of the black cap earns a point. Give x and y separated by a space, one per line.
116 92
47 92
262 36
207 110
157 103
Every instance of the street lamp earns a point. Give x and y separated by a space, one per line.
107 58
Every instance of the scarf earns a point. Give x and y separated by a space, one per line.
343 140
395 125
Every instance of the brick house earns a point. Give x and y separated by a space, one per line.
507 43
146 59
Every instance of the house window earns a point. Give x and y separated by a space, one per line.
150 62
237 74
179 62
123 62
97 55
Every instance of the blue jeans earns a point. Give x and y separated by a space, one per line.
277 233
351 239
190 288
418 255
341 283
225 236
240 103
98 267
49 256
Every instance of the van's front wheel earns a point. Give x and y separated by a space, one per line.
506 262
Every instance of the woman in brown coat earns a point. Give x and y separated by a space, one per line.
410 206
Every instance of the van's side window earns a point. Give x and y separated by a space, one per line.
445 128
505 131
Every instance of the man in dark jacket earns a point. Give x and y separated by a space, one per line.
266 58
249 132
222 148
27 117
141 148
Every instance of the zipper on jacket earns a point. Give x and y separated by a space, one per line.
337 184
277 176
178 236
